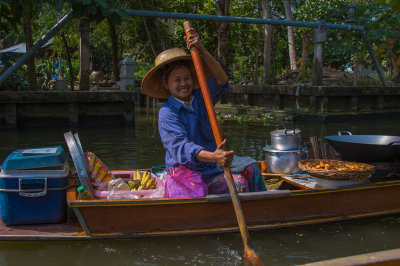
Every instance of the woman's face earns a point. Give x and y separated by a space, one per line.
180 83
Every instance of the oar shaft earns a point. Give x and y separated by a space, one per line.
238 208
205 91
218 139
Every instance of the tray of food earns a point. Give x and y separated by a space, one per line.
336 169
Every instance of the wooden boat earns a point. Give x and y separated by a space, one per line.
294 203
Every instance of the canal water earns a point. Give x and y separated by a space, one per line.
140 147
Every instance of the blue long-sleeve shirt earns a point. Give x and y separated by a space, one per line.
184 132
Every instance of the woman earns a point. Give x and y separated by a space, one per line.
183 123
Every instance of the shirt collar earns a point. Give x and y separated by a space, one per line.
186 104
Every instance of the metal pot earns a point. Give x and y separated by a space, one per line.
284 162
286 139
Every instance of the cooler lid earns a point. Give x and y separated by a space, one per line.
75 148
35 158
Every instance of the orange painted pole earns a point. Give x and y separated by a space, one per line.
249 253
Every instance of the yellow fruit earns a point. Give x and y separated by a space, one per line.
145 178
150 183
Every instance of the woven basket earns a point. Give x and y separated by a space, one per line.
364 171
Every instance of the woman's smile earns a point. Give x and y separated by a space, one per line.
180 83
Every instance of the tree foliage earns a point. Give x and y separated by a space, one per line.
381 19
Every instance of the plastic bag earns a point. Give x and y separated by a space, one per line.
118 189
183 182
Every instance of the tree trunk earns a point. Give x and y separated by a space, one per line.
162 43
267 41
393 60
257 55
114 49
149 37
316 78
304 51
223 34
148 32
291 40
29 43
355 70
84 55
121 47
69 60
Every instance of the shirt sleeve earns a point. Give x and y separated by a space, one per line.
215 90
175 139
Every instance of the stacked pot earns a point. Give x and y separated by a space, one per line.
285 151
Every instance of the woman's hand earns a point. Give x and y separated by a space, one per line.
223 158
215 68
194 40
219 156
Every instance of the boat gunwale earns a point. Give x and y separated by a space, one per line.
247 196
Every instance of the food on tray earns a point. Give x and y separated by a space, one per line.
327 166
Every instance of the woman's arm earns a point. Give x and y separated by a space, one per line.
216 69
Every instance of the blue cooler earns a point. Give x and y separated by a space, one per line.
33 185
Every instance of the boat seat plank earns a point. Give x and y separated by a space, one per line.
302 183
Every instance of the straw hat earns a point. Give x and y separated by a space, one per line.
152 82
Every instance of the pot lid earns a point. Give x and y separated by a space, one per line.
270 149
286 132
75 148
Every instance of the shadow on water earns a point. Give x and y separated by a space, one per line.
141 147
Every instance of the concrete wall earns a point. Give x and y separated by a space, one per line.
116 108
315 99
28 109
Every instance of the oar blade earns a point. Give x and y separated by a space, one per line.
252 258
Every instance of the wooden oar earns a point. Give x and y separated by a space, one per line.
249 253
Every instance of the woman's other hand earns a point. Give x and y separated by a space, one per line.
223 158
194 40
219 156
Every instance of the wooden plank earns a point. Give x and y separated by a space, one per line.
387 257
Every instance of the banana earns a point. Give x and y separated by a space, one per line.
134 175
138 175
150 184
144 179
131 184
140 187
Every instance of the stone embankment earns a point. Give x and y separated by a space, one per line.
116 108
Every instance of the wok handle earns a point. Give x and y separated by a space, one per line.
344 133
394 143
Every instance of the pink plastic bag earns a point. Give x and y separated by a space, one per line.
183 182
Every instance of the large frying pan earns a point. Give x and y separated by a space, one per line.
365 148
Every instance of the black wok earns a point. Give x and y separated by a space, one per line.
365 148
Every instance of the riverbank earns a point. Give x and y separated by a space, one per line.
244 113
275 103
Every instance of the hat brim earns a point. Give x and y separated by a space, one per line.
152 82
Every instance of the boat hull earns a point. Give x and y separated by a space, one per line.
215 213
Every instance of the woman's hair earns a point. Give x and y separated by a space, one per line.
167 69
